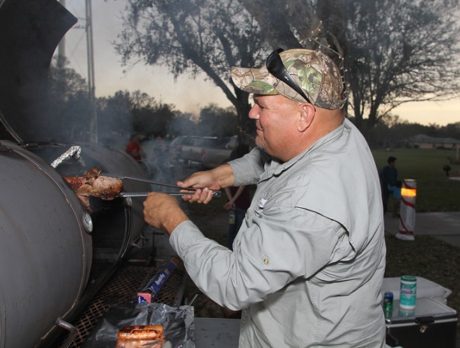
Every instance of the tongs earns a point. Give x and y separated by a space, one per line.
185 191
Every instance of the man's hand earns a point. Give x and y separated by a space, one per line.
206 182
162 211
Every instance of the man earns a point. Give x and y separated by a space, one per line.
390 185
308 262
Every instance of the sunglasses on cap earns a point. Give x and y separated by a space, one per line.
276 67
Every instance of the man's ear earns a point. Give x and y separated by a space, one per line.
306 117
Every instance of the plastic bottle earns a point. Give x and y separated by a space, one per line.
408 292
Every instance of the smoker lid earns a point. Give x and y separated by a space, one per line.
6 131
30 31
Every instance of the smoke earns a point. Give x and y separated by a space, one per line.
159 161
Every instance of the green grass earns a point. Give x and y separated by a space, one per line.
435 192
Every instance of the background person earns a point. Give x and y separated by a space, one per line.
308 261
239 199
134 148
391 186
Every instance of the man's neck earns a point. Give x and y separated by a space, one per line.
326 121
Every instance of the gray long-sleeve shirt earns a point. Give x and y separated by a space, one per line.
308 261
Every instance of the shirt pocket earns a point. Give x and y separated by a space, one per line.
283 199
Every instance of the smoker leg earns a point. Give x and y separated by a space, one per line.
72 332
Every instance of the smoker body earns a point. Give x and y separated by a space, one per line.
45 251
431 325
51 264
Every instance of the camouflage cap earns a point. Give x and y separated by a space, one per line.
316 73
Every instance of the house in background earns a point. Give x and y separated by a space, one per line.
423 141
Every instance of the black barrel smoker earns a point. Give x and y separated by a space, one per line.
54 255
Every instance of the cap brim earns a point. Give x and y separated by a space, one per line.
260 81
254 80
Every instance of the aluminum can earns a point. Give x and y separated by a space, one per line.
408 292
388 304
149 293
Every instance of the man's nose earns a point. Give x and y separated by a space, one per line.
254 112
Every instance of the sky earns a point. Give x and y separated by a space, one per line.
186 93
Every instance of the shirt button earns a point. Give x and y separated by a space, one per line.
266 261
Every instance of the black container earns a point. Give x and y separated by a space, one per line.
432 325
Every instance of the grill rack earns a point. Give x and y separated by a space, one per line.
122 288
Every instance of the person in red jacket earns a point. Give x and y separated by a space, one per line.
133 147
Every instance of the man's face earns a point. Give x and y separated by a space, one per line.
275 118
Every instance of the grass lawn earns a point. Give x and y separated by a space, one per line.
435 192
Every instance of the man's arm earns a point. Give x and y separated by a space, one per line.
266 257
248 168
242 171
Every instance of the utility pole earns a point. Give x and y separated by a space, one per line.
61 47
90 61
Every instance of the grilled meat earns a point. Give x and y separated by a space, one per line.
137 336
93 184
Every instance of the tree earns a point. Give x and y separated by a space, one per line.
125 113
182 124
273 15
451 130
68 106
217 121
189 36
408 54
115 120
153 120
396 51
65 82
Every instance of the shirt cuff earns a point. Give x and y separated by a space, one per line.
183 236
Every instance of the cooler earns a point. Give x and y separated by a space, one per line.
425 288
431 325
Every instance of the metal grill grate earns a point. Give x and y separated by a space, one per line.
122 288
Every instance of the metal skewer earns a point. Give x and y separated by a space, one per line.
145 194
216 194
189 191
149 181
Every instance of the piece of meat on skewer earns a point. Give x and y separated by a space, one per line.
93 184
